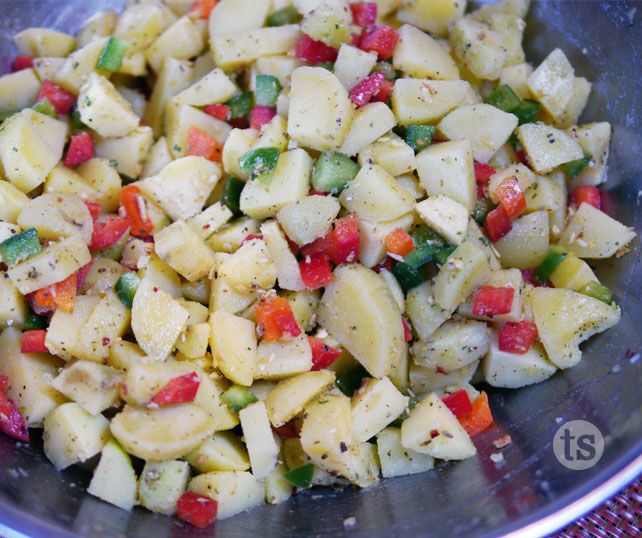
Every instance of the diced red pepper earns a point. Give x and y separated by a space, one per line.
60 295
481 191
81 275
80 150
479 418
497 224
201 9
588 194
520 155
261 115
529 277
381 39
399 242
346 240
385 92
34 342
95 209
364 14
407 329
218 111
21 62
252 236
314 52
11 420
201 144
288 430
316 271
517 337
199 510
458 402
491 301
134 204
275 319
365 90
483 172
511 197
386 264
107 231
181 389
59 98
323 355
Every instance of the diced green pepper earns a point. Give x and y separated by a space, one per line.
260 163
597 291
481 209
572 169
349 382
504 98
412 402
34 322
20 247
74 117
333 171
232 194
527 111
407 276
267 90
301 477
419 137
550 262
45 107
237 397
385 68
111 57
126 287
421 255
283 16
329 66
241 105
442 254
6 114
423 234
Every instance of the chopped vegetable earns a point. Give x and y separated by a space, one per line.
574 168
346 240
527 112
483 172
482 207
181 389
586 194
511 197
497 223
260 163
34 322
238 397
111 57
134 204
197 509
418 137
407 276
333 171
46 108
349 382
314 52
288 430
385 92
261 115
316 271
21 62
301 477
548 265
34 342
365 90
80 150
20 247
232 194
492 301
399 242
241 105
11 420
60 295
201 144
218 111
420 256
479 418
201 9
407 329
381 39
517 337
323 355
597 291
126 287
274 319
458 402
441 254
61 99
387 69
107 231
504 98
267 90
283 16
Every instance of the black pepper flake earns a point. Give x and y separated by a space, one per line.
343 447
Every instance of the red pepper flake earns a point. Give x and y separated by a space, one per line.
106 341
434 433
483 172
407 329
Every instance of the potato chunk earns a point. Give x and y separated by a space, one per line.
479 48
397 460
448 217
375 405
235 491
420 56
547 147
288 273
368 123
233 341
261 446
308 219
527 243
426 101
431 16
552 83
182 40
44 42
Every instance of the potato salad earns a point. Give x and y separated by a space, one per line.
249 247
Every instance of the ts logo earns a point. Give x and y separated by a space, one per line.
578 445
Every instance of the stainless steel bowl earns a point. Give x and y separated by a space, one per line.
529 493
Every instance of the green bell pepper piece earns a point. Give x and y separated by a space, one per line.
574 168
45 107
301 477
20 247
550 262
387 69
481 209
232 194
419 137
328 66
260 163
597 291
267 90
111 57
407 276
333 171
442 254
238 397
504 98
126 287
34 322
421 255
283 16
423 234
351 381
527 112
241 105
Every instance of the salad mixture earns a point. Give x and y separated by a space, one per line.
249 247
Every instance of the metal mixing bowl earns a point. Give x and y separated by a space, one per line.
529 493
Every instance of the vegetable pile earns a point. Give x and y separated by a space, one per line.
281 244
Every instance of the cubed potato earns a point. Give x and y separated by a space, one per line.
545 194
114 479
238 15
294 457
44 42
320 113
397 460
524 176
259 439
358 310
160 273
277 488
13 306
139 25
182 40
283 358
502 278
249 268
184 251
516 76
127 152
527 242
63 334
273 134
215 87
79 65
223 451
224 296
594 138
430 16
579 98
424 313
552 83
572 274
511 29
353 65
547 147
424 380
123 355
161 484
101 24
103 178
479 48
157 158
233 342
30 146
372 234
67 181
288 273
420 56
448 217
390 152
12 201
426 101
234 491
102 277
565 318
18 90
308 219
280 67
304 306
368 124
447 169
328 22
238 143
376 404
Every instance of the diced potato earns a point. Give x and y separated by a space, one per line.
423 380
67 181
579 98
134 65
223 451
545 194
447 169
235 491
424 313
547 147
225 297
328 23
511 29
280 67
565 318
104 179
209 399
353 65
430 415
393 287
238 15
277 488
18 90
368 124
426 101
502 278
516 76
448 217
274 134
375 405
375 195
182 40
524 176
420 56
259 439
215 87
390 152
139 25
304 306
161 484
372 234
198 313
397 460
552 84
238 143
13 306
527 242
431 16
287 267
101 24
157 158
479 48
283 358
466 270
197 291
30 146
63 334
123 355
165 433
320 113
358 310
308 219
157 320
79 65
12 201
28 374
594 139
114 479
44 42
572 274
127 152
288 398
52 265
233 342
160 273
249 268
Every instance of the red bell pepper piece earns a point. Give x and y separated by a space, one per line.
381 39
316 271
529 277
60 295
520 155
201 9
346 240
21 62
59 98
275 319
181 389
385 92
483 172
218 111
479 418
11 420
458 402
134 204
288 430
261 115
386 264
364 14
323 355
365 90
95 209
407 329
517 337
314 52
81 275
588 194
252 236
34 342
399 242
497 224
201 144
491 301
80 150
107 231
199 510
511 197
